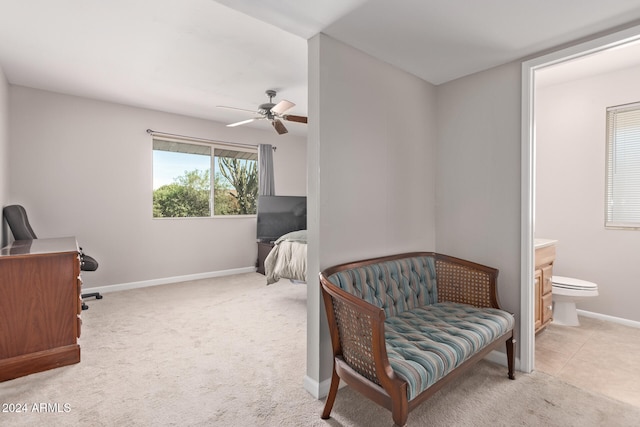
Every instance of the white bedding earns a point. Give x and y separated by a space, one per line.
287 259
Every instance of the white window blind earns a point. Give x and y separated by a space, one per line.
623 167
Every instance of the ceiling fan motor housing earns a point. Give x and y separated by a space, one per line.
266 108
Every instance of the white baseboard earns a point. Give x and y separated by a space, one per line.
167 280
500 358
317 390
497 357
620 320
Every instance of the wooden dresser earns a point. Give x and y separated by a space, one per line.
40 306
545 256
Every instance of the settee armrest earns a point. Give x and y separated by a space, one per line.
357 334
466 282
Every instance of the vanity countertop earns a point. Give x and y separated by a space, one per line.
543 243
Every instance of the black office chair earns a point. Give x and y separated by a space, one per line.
16 217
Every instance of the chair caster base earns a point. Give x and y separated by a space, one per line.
95 295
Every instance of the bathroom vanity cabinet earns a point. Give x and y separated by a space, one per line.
545 256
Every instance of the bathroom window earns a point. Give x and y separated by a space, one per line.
623 167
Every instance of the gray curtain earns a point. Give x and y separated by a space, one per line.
266 184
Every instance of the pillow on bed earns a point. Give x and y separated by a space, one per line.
294 236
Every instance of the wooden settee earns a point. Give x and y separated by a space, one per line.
403 326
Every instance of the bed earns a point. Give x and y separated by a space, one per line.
288 258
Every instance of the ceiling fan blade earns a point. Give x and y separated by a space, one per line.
231 125
282 106
234 108
292 118
279 126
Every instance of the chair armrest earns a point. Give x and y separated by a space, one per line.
466 282
357 334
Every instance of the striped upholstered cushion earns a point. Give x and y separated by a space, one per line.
426 343
395 286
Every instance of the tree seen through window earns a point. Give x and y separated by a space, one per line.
183 186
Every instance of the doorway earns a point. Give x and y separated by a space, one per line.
528 164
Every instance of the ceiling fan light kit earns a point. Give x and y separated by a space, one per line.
272 112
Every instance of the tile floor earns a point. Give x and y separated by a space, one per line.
599 356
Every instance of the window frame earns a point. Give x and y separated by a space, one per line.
213 146
612 145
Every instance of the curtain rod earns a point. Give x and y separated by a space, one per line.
191 138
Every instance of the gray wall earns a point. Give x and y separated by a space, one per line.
4 150
84 168
570 189
385 186
372 169
478 174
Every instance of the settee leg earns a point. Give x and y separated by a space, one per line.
331 397
511 357
399 405
400 416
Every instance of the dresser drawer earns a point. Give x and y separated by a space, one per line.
79 283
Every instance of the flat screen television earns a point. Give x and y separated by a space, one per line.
279 215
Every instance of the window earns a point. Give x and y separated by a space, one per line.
623 167
185 186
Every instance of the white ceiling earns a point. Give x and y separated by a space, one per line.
187 56
617 58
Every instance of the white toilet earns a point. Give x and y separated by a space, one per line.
565 291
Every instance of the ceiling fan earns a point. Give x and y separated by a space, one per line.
272 112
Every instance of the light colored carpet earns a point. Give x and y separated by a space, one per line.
231 352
